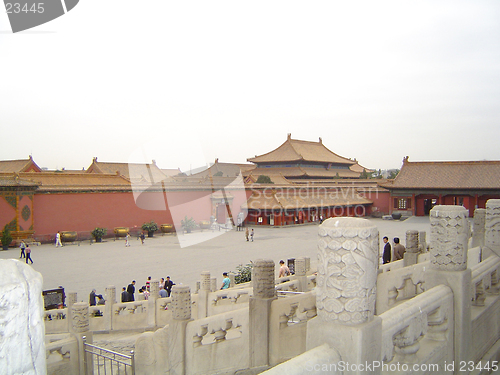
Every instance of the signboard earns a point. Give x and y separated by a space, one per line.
53 298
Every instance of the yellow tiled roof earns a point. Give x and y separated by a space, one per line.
293 150
20 165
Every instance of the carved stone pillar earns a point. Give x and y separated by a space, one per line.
154 294
492 228
154 289
213 284
203 294
108 307
422 241
232 281
448 265
478 227
71 298
80 328
264 293
176 338
411 254
449 238
300 273
346 290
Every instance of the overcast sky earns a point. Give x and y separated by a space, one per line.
187 82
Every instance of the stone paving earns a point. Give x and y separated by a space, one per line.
81 268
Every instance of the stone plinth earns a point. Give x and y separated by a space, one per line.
449 238
22 330
205 281
181 302
412 241
263 279
71 298
300 273
154 289
347 270
205 285
176 335
492 227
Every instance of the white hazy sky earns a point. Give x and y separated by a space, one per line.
185 82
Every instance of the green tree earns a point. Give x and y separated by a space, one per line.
393 174
264 180
244 274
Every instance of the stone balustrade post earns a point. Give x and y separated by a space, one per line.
264 293
80 328
492 228
213 284
176 338
203 294
300 273
154 294
308 264
108 307
422 241
448 265
71 298
411 254
232 279
479 223
346 291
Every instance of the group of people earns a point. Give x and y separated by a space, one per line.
399 250
25 252
128 293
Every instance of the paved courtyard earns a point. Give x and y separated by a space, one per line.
85 267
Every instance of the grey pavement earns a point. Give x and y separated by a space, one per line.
83 268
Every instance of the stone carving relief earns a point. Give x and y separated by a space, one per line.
80 317
181 302
263 279
347 270
449 238
492 226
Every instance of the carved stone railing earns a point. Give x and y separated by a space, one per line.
485 278
163 311
130 314
419 330
398 285
391 266
227 300
56 321
485 289
311 282
218 343
62 354
290 286
288 325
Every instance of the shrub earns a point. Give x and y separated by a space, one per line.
99 232
6 237
150 227
244 273
264 180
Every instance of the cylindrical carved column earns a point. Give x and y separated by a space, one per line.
263 279
412 241
300 267
205 281
347 270
449 238
79 317
213 284
71 298
181 302
479 227
492 226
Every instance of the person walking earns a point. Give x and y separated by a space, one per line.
386 256
226 282
142 236
131 291
399 250
168 286
246 234
127 240
28 255
251 235
22 246
58 239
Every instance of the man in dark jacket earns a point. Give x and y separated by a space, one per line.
124 295
386 256
92 298
131 291
168 286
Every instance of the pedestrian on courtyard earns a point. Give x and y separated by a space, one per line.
251 235
127 240
163 292
131 291
124 295
168 286
226 282
284 270
92 298
22 247
100 299
58 239
28 255
142 236
399 250
148 284
386 256
246 233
